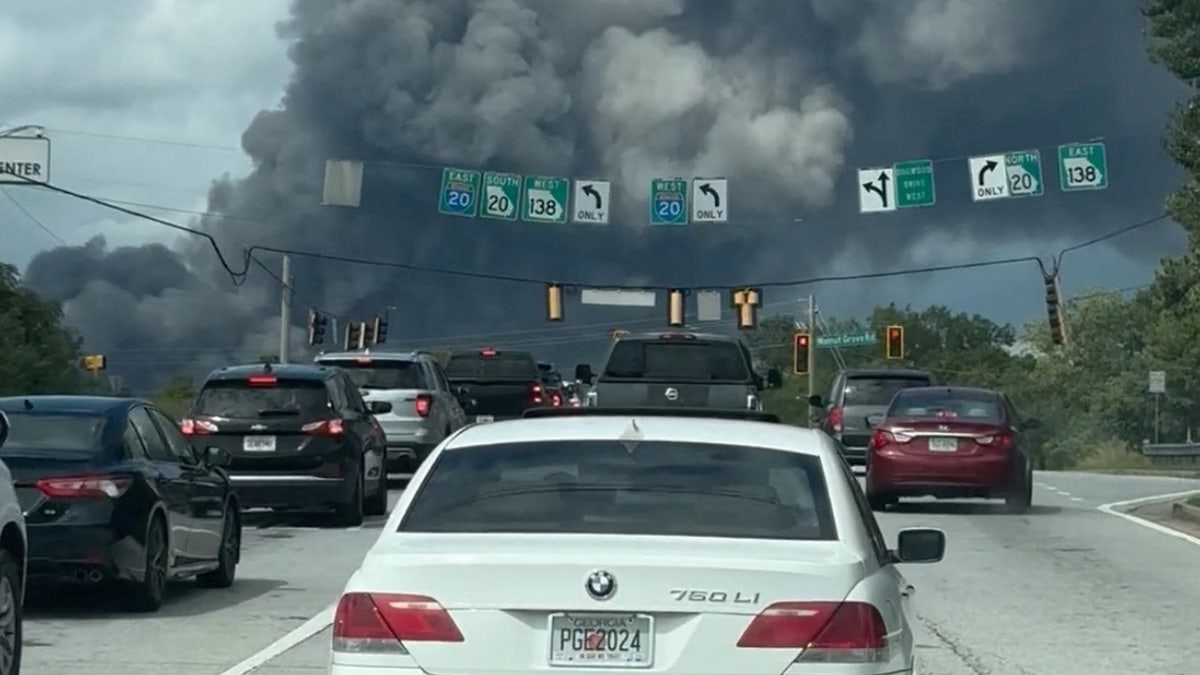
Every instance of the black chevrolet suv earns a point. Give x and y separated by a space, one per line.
300 436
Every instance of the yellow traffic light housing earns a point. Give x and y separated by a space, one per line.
1058 324
379 330
554 302
895 342
802 344
354 335
675 308
747 301
94 363
316 327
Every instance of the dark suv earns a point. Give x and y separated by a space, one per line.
858 400
300 436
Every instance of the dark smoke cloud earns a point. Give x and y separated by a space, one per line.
784 98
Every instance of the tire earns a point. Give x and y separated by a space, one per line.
376 504
11 614
228 556
146 596
1021 497
351 514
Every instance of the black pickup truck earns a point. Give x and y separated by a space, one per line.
495 384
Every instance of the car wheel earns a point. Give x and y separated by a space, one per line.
227 557
147 595
10 614
1021 497
377 503
351 514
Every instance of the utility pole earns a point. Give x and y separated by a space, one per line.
812 353
285 309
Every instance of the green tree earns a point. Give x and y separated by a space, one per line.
176 397
38 354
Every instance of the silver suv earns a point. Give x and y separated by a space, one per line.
425 409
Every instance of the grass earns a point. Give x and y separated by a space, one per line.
1194 501
1114 458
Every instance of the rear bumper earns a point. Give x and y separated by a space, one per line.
895 473
402 455
81 554
291 491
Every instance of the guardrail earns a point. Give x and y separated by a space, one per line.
1172 454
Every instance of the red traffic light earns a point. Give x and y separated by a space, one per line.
895 333
802 340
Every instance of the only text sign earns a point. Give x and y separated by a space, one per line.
24 159
710 200
1023 169
1082 166
546 199
460 189
914 183
501 195
591 201
989 178
669 201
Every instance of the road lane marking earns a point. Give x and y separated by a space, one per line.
301 633
1111 509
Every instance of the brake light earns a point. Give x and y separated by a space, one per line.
263 381
535 393
424 404
996 442
827 632
194 427
488 353
363 359
324 428
378 622
882 438
835 419
85 487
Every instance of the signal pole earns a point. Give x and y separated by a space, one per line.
812 353
285 309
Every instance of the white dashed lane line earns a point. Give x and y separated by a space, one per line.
1056 491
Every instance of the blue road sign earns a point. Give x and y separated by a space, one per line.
669 201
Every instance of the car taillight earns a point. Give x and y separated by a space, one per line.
424 404
835 419
84 487
263 381
193 427
378 622
882 438
827 632
324 428
535 393
996 442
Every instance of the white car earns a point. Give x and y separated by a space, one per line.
12 566
596 540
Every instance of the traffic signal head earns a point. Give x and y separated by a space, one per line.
354 335
802 344
316 327
746 301
675 308
1058 333
380 330
554 302
895 342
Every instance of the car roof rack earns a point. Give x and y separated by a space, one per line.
653 411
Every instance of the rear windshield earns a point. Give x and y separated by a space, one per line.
678 361
878 390
382 374
498 365
662 488
981 407
48 432
237 398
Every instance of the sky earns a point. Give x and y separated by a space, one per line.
180 107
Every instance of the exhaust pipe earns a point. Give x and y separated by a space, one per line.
80 575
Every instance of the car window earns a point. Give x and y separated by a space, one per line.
877 390
48 432
178 447
492 364
242 399
134 448
440 377
678 361
662 488
368 373
156 447
968 406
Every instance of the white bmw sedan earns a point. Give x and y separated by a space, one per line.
601 541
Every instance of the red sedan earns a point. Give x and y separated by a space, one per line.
950 443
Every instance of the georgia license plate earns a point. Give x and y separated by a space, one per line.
943 444
609 640
481 419
259 444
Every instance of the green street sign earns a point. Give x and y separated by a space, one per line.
669 201
847 340
1082 166
501 195
914 183
546 199
1024 171
459 195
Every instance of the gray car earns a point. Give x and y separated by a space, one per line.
425 408
858 400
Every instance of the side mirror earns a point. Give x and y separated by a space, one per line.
920 545
759 383
774 378
379 407
815 401
583 373
1033 423
4 426
214 456
468 405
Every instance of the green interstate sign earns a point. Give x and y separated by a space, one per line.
849 340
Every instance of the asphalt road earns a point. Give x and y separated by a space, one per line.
1065 589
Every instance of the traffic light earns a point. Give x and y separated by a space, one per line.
94 363
554 302
895 342
1058 326
800 354
354 335
379 331
746 301
316 327
368 334
675 308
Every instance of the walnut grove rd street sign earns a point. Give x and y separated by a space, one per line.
848 340
1082 166
546 199
459 193
501 195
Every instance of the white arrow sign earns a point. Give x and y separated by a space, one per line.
989 177
876 190
590 202
710 200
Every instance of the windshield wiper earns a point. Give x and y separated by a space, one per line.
278 412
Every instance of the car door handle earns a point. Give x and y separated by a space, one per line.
908 591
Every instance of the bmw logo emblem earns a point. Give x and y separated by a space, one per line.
600 585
